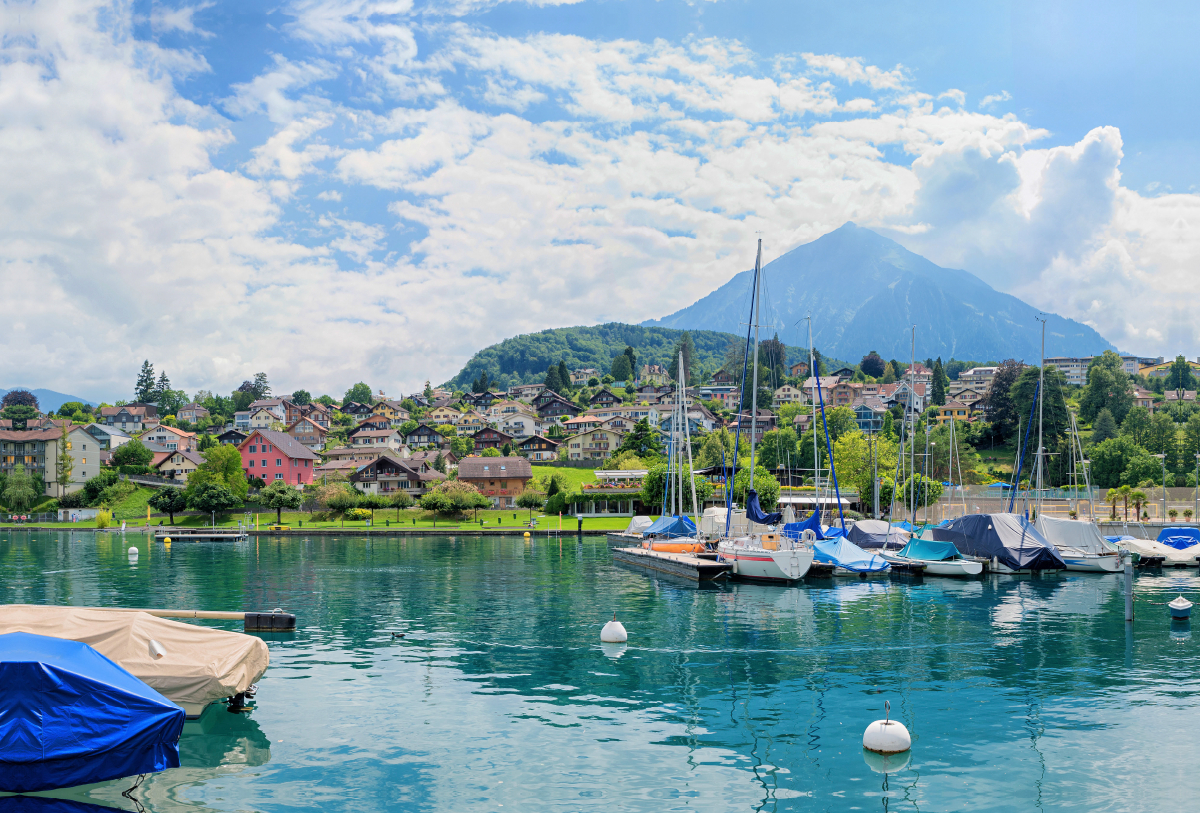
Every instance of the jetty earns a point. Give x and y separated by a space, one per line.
200 534
687 565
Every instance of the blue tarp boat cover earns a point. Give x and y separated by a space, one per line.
671 527
1179 538
1000 485
930 551
48 804
793 530
1009 538
70 716
904 525
876 533
844 553
754 511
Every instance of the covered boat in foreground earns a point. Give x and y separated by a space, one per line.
1080 544
191 666
70 716
672 534
939 558
1008 541
848 558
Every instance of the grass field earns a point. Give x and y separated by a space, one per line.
576 477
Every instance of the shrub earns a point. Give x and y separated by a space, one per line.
116 492
358 513
73 500
103 518
136 470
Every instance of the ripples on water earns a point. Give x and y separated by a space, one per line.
1020 693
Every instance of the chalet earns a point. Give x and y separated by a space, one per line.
356 454
444 415
501 408
538 448
953 411
500 479
231 436
595 444
390 474
1143 398
519 424
423 435
842 374
525 392
272 455
764 422
482 400
582 423
558 408
356 409
913 400
431 455
545 397
798 369
263 418
652 374
583 375
130 417
317 412
309 432
489 438
369 423
276 406
378 439
603 398
170 437
179 465
787 394
843 393
392 411
868 412
471 422
723 379
191 412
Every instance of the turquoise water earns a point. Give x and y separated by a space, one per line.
1020 693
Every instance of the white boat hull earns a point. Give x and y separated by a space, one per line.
1092 562
948 567
760 564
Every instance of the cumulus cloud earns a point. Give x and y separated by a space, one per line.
989 101
638 187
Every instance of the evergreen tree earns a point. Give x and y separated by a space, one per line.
1108 386
622 369
632 359
439 463
1001 411
564 376
262 389
64 465
163 387
553 380
1104 428
144 389
939 383
1181 376
688 347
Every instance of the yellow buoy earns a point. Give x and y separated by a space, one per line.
167 540
527 534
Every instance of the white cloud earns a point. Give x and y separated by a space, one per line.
330 195
989 101
852 69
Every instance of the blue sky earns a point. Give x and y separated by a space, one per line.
375 189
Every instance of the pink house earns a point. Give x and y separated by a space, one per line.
273 455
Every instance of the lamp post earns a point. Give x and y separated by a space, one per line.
1163 458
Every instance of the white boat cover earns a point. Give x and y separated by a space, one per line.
1078 535
1150 547
200 665
638 524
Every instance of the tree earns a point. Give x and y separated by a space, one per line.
132 453
64 465
1138 498
207 441
302 398
213 497
1110 459
1142 466
1104 427
162 387
940 382
401 499
1162 440
854 463
169 500
533 500
1108 387
360 393
889 374
439 463
261 388
1056 422
688 348
371 502
1001 411
928 491
654 486
1180 376
491 451
462 446
553 381
764 483
716 448
222 465
778 448
446 430
622 368
1136 425
506 450
872 364
642 440
280 495
19 490
452 497
145 388
564 375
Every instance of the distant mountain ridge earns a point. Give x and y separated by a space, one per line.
865 292
49 400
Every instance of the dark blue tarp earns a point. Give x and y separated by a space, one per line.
1179 538
754 511
671 527
844 553
70 716
1009 538
876 533
793 530
930 550
47 804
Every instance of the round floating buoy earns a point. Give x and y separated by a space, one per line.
167 540
527 534
613 632
887 736
133 553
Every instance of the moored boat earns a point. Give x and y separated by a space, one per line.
939 558
1008 542
1080 545
847 558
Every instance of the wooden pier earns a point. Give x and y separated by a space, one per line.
199 535
686 565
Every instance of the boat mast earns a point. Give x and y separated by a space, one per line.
737 437
687 441
812 373
1041 401
754 385
912 446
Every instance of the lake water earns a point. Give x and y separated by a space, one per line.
1020 693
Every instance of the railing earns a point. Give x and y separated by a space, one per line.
152 480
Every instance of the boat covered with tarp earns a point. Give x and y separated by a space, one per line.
638 525
845 555
670 528
1009 540
1150 551
877 533
191 666
938 558
1179 538
70 716
1080 544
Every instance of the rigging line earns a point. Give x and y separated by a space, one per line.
832 470
741 395
1024 448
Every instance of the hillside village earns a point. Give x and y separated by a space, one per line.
453 451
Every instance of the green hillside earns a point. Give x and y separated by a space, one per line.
524 359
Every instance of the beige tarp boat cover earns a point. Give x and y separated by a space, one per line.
1076 534
200 665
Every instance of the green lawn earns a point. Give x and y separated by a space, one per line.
576 477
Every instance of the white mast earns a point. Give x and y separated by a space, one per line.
687 441
754 385
912 397
812 376
1041 401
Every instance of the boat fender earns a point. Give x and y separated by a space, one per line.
887 736
157 650
613 632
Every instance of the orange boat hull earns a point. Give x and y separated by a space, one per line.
675 547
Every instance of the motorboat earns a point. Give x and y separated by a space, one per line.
1153 551
1080 544
939 558
1007 542
672 535
1180 608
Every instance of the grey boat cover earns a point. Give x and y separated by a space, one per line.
639 524
1077 535
1008 538
876 533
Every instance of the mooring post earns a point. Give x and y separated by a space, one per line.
1128 587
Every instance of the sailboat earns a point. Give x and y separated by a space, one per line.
767 555
675 526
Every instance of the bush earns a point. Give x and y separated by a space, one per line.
103 518
73 500
95 486
136 470
116 492
557 504
358 513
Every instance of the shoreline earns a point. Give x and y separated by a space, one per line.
302 532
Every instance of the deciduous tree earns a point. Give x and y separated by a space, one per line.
169 500
1108 387
132 453
280 495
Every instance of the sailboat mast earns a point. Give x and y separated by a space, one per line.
812 373
1041 402
687 442
754 385
912 450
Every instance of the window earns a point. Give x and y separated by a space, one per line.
84 461
278 475
254 449
264 463
251 464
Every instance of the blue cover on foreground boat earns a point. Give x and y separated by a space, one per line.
844 553
929 550
1179 538
671 527
1009 538
70 716
754 511
793 530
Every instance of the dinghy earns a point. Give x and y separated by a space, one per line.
70 716
1180 608
939 558
1080 544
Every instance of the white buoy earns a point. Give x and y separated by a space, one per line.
133 554
156 650
614 632
887 736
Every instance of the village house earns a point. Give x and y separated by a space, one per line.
191 412
538 449
422 435
953 411
232 437
899 393
86 456
1143 398
430 456
500 479
263 418
276 406
594 444
798 369
471 422
979 377
582 423
603 398
31 448
392 411
369 423
519 425
787 394
525 392
582 375
272 456
130 417
179 465
379 439
489 438
109 437
356 409
390 474
170 437
481 400
868 412
309 432
764 422
558 408
443 415
241 420
357 454
652 374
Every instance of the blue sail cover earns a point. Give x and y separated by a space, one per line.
1179 538
929 550
793 530
70 716
1009 538
671 527
754 511
48 804
844 553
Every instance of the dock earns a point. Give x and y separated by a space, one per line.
686 565
199 535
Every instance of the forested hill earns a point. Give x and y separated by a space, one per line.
524 359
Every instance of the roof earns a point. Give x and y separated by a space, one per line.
117 410
532 438
490 429
167 427
28 434
376 433
108 430
191 456
339 465
483 467
284 443
305 419
427 456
